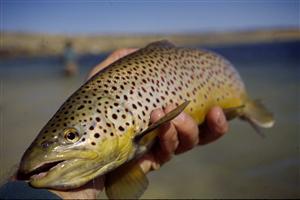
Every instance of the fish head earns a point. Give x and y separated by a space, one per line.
79 144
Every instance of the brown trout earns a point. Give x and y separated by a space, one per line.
104 126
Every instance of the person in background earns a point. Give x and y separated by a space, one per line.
178 136
69 59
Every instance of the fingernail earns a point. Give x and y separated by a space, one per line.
221 120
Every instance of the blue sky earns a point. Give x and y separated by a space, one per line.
93 17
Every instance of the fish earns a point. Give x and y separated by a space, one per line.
104 126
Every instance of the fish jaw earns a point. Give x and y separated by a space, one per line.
65 175
75 167
57 170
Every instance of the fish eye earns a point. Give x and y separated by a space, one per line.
71 135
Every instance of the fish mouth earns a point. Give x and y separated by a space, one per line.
58 171
61 174
53 174
41 170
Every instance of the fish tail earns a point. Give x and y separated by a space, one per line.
257 115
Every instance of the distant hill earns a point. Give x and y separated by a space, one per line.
33 44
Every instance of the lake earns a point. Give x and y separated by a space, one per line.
239 165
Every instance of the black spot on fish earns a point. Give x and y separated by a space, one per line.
121 128
114 116
80 107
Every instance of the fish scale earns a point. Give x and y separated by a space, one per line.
109 115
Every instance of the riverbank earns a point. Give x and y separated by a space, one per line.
34 44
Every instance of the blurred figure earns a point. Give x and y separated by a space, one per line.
69 59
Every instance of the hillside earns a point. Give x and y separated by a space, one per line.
33 44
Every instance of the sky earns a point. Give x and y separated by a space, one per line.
131 17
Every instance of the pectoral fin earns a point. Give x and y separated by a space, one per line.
168 117
233 112
126 182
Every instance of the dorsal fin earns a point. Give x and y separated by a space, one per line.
160 43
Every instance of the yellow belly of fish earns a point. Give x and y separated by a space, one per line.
199 109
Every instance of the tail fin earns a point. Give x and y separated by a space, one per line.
257 114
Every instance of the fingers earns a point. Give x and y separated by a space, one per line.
186 129
215 126
116 55
149 162
181 135
168 140
178 136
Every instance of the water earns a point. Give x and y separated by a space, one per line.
239 165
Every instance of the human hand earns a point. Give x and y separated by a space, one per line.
176 137
182 134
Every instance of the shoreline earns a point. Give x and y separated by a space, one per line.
35 44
